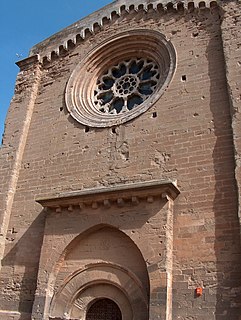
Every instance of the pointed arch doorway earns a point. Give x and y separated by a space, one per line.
104 309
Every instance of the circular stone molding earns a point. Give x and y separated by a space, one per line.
101 280
120 79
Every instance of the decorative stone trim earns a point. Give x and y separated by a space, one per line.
121 285
28 62
93 102
120 195
79 31
126 84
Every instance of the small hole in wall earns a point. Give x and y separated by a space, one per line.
87 129
61 108
195 34
202 4
150 6
184 78
113 130
154 115
191 6
131 8
213 4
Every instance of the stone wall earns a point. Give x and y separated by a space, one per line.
185 136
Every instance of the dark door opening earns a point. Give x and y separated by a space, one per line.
104 309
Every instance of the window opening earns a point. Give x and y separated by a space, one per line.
126 85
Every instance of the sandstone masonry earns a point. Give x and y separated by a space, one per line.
139 214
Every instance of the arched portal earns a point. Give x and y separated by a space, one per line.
104 309
102 263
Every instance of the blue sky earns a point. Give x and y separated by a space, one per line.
25 23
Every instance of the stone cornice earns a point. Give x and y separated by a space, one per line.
67 38
115 195
28 62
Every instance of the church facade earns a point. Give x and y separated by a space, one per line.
120 168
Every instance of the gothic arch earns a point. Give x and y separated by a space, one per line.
101 263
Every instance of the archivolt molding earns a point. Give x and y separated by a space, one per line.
95 22
97 291
83 287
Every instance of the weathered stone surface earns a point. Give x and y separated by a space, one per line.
150 250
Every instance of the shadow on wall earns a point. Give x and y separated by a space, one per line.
225 205
23 256
105 259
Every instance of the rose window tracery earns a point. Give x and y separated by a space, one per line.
121 78
126 85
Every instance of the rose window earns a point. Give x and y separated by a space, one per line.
126 85
121 78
